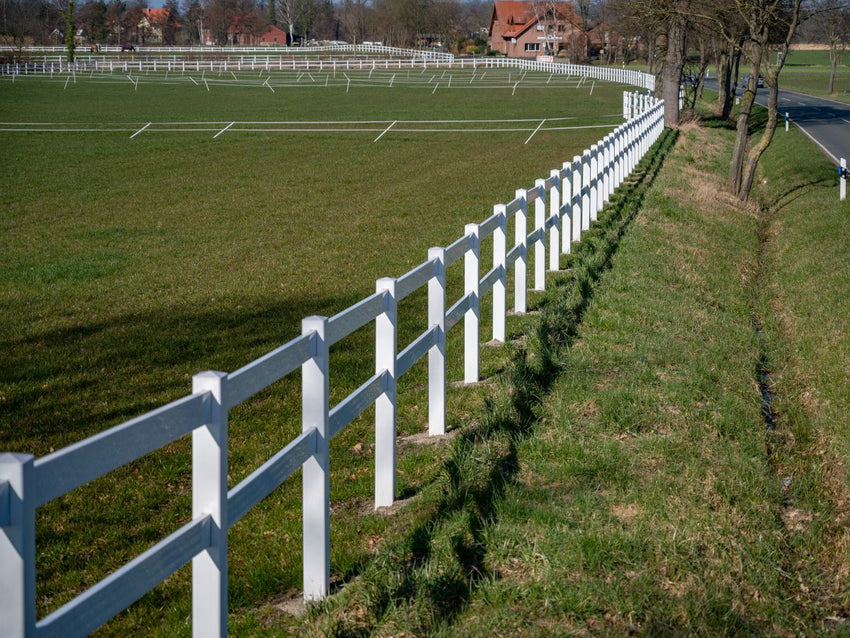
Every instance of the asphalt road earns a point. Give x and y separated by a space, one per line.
826 122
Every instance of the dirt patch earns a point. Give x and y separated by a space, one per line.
625 512
808 46
796 520
389 510
290 602
423 438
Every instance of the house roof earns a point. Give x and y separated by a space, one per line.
157 16
517 16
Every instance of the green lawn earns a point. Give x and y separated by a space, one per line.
808 72
129 264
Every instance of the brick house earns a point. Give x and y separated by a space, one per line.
274 36
522 29
242 31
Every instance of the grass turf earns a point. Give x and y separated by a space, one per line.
652 496
131 264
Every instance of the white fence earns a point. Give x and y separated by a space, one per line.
263 61
208 50
558 208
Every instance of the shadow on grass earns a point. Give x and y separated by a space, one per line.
797 191
717 122
428 578
757 121
72 382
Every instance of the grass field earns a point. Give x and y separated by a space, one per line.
131 263
808 72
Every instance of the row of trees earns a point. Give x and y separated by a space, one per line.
393 22
740 37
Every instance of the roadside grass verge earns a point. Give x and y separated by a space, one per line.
808 72
806 336
644 489
129 265
422 580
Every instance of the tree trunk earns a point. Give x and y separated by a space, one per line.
833 62
724 82
758 150
743 126
703 67
650 56
671 74
731 56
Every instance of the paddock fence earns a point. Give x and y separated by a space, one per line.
264 61
221 51
558 209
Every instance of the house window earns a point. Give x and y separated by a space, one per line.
532 46
539 27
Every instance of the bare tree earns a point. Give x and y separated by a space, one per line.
355 17
547 14
671 21
401 22
193 12
19 20
830 23
445 21
771 25
291 12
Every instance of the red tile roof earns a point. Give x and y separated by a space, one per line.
157 16
517 16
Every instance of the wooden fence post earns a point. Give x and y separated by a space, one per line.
386 346
17 545
315 476
209 497
618 157
472 317
594 182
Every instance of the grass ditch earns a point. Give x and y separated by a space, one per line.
801 302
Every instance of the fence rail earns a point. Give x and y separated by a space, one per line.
562 206
259 60
209 50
